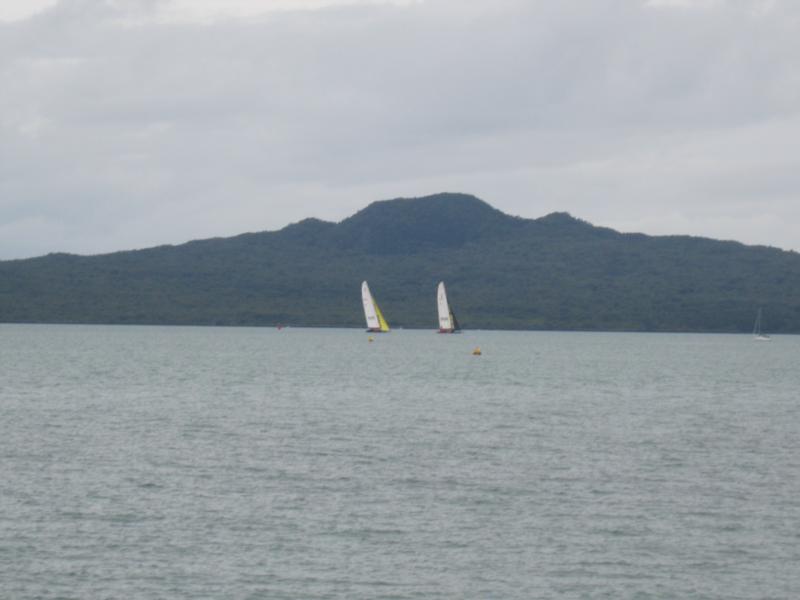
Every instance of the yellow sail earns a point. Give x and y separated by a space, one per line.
381 320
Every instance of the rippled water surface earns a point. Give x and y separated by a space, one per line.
146 462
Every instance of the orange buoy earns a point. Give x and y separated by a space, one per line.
476 352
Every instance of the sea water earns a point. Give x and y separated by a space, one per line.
170 462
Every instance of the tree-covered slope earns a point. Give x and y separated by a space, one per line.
555 272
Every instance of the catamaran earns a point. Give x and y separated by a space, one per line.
447 320
375 321
759 335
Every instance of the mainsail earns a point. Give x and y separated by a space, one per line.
447 320
375 321
758 334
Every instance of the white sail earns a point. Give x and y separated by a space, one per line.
445 316
758 334
370 313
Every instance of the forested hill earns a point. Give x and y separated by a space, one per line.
556 272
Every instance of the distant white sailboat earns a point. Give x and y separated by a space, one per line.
375 321
758 334
447 320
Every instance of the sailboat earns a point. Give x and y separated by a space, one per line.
759 335
447 320
375 321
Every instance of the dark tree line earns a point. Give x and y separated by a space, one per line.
556 272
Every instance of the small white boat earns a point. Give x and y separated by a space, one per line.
447 320
758 334
375 321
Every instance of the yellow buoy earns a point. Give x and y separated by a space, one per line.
370 339
476 352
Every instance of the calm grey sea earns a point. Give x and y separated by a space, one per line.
167 462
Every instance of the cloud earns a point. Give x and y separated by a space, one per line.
179 11
131 123
15 10
207 11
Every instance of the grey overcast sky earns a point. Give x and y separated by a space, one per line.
130 123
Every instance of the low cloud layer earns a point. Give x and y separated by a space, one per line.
131 123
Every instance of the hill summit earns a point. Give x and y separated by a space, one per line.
555 272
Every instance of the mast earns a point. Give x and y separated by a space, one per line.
758 333
757 326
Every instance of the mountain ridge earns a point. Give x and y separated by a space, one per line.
554 272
